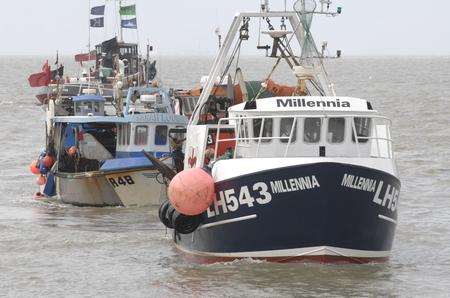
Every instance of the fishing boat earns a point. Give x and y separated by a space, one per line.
99 159
306 174
112 64
150 126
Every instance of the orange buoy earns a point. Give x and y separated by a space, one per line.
72 151
48 161
34 167
191 191
41 180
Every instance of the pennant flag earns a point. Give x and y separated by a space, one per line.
110 45
97 22
130 24
129 10
98 10
41 79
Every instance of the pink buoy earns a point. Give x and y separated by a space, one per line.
191 191
41 180
34 168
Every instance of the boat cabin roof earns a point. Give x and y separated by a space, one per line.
308 104
150 118
88 97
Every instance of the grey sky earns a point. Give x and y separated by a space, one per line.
366 27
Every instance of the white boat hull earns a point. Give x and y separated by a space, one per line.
137 188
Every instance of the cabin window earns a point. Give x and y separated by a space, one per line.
124 134
286 128
96 107
77 108
266 131
141 135
336 130
88 105
161 135
362 127
311 132
243 131
128 134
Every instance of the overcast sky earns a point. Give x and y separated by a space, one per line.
366 27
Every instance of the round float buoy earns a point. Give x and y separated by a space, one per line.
41 180
34 167
191 191
48 161
72 151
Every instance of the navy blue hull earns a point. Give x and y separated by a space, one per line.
322 204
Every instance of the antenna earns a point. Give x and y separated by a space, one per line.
219 36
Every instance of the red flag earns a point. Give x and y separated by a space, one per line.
41 79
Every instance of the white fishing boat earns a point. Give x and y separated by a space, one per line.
307 174
99 159
151 126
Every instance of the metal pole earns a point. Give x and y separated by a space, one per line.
217 66
120 23
89 40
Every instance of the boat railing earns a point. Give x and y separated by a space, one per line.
377 144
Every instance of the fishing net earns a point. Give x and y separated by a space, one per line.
305 10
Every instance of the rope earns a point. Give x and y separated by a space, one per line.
262 89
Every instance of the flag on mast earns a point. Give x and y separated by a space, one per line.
97 22
98 10
41 79
129 24
129 10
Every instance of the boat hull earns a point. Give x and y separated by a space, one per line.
85 189
138 188
326 212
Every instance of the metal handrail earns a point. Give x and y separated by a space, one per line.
238 138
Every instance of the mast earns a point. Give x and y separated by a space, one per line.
89 40
120 22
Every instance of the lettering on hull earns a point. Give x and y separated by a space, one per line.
384 196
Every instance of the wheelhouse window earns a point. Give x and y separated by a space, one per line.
286 129
243 131
267 130
141 135
96 107
124 134
362 127
311 132
161 135
336 130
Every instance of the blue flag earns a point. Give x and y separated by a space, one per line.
130 24
98 10
97 22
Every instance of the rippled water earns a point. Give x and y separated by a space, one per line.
51 249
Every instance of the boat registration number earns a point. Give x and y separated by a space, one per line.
121 181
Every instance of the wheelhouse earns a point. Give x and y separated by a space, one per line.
156 138
89 105
306 127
